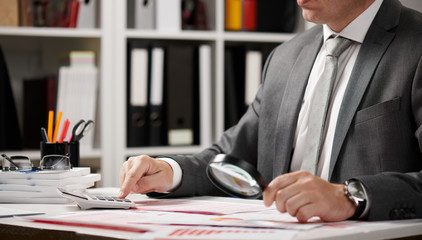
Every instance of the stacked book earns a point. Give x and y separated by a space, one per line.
41 186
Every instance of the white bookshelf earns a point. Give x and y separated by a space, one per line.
34 51
109 42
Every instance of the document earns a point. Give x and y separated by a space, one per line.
220 233
185 212
193 206
128 221
188 219
10 212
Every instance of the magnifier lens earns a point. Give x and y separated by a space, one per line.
235 178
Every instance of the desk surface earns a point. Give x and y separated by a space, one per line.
14 228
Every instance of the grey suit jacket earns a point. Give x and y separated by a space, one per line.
378 137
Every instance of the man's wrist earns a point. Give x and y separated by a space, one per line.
356 193
177 172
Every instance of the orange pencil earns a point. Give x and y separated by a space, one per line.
56 129
50 125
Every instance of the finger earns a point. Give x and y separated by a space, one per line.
277 184
122 175
295 203
122 178
279 204
132 176
306 212
282 196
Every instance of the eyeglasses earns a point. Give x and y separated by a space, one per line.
55 162
16 163
48 162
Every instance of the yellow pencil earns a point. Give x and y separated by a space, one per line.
56 129
50 126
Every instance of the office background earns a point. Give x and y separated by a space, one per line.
112 32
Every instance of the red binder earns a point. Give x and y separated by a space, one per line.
249 15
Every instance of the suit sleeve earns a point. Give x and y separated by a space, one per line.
396 195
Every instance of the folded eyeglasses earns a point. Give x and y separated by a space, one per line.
48 162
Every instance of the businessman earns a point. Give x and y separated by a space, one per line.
359 74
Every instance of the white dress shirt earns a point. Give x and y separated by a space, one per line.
355 31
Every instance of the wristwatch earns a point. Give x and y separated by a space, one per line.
355 192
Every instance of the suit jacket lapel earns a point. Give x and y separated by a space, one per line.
375 44
291 104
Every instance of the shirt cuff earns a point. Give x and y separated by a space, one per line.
177 172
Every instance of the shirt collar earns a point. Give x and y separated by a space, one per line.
357 29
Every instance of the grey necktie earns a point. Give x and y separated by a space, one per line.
320 102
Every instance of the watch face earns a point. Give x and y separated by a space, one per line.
356 190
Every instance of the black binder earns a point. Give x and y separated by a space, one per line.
181 107
157 120
276 15
234 83
137 94
39 97
10 135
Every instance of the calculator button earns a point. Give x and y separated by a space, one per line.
109 198
100 198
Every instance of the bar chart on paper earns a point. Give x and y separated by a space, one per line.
228 233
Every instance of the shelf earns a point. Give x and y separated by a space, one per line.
210 35
164 150
50 32
177 35
257 37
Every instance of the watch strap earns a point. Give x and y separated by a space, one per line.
359 210
360 205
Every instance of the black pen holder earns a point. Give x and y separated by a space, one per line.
64 148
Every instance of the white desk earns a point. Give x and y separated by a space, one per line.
12 228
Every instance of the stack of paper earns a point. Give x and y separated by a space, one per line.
41 186
199 218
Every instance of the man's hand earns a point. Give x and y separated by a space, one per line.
304 195
143 174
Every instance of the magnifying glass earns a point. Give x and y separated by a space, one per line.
235 177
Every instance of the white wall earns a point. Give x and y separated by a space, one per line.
415 4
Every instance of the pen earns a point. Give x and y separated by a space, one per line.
44 135
50 125
64 130
56 129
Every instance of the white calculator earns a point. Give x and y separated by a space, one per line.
87 201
